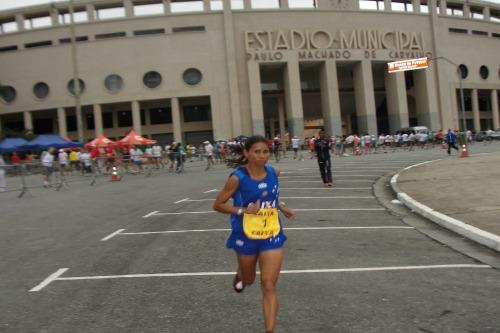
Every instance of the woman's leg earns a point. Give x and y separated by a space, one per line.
246 268
270 266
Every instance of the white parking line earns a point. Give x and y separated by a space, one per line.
112 235
287 229
295 209
213 190
150 214
185 199
55 276
332 197
325 188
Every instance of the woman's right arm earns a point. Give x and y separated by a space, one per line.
220 204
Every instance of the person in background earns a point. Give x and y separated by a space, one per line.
451 139
2 174
322 149
48 166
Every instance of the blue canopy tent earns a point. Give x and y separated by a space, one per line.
47 141
10 145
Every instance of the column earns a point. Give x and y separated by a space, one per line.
28 121
129 8
272 130
90 12
256 106
147 117
232 70
475 110
136 117
466 10
61 119
166 7
98 120
364 97
486 13
281 115
54 16
388 5
206 5
397 102
247 4
176 119
442 7
416 6
494 109
293 98
20 22
330 99
284 4
426 100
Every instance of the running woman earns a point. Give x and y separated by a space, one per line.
257 233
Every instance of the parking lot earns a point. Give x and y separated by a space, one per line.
147 255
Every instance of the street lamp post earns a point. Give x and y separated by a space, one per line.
76 81
462 104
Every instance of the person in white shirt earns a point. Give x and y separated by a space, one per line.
411 140
209 151
62 157
85 161
156 151
295 147
48 166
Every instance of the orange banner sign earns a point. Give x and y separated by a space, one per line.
407 65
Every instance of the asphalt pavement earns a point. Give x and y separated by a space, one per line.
146 254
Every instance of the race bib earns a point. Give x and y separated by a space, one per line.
265 224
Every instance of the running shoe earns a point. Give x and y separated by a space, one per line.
238 284
330 184
325 185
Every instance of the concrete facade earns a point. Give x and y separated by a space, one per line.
264 71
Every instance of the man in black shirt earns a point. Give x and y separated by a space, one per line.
322 149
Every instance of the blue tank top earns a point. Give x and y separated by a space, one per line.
249 190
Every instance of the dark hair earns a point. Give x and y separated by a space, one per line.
243 145
253 140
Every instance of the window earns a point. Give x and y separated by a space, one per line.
71 123
371 5
8 48
77 39
186 6
152 9
124 118
261 4
90 121
110 13
160 116
237 4
71 86
78 16
463 70
8 94
38 44
41 90
216 5
458 31
38 22
107 119
484 72
111 35
302 4
188 29
480 33
152 79
113 83
484 100
9 27
197 113
192 76
467 100
149 32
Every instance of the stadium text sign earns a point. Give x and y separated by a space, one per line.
407 65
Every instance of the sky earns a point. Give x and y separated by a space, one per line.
9 4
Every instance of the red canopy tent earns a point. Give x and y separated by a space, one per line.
100 142
133 138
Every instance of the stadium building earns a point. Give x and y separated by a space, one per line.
195 70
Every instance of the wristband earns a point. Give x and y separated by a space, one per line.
239 212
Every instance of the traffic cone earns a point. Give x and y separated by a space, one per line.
465 152
114 175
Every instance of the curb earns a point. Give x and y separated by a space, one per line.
478 235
